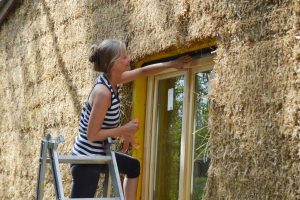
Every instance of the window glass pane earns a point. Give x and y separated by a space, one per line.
200 136
169 128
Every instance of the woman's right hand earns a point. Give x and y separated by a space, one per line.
129 130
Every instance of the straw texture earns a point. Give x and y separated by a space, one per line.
255 104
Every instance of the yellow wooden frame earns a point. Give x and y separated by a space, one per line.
140 107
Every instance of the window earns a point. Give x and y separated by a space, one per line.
176 155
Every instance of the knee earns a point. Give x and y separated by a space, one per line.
135 169
137 164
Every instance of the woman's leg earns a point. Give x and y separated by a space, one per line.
85 180
131 167
130 188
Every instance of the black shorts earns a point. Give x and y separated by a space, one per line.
86 176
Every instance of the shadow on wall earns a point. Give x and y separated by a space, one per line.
61 63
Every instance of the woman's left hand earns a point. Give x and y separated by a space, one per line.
129 138
126 144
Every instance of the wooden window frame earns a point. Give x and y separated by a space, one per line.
185 177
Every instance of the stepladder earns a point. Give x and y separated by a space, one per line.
49 155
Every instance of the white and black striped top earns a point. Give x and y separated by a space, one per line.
112 120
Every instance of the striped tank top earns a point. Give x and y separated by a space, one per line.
82 145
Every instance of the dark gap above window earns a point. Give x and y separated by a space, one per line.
194 54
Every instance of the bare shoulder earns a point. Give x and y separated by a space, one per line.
100 95
102 90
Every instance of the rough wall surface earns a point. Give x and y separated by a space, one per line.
45 77
255 106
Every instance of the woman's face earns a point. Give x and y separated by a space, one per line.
123 62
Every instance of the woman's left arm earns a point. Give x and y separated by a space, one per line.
154 69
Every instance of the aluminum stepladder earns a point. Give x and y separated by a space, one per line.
49 146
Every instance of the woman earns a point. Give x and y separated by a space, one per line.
100 117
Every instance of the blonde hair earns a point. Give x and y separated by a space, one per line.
105 54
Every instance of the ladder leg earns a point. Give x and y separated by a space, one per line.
56 174
42 166
107 184
114 172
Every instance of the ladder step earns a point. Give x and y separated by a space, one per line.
104 198
83 159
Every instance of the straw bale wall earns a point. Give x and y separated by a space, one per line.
45 77
255 104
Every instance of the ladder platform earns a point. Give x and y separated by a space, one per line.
73 159
105 198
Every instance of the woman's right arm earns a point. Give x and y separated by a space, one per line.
101 100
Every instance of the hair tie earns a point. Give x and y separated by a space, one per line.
92 58
94 54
